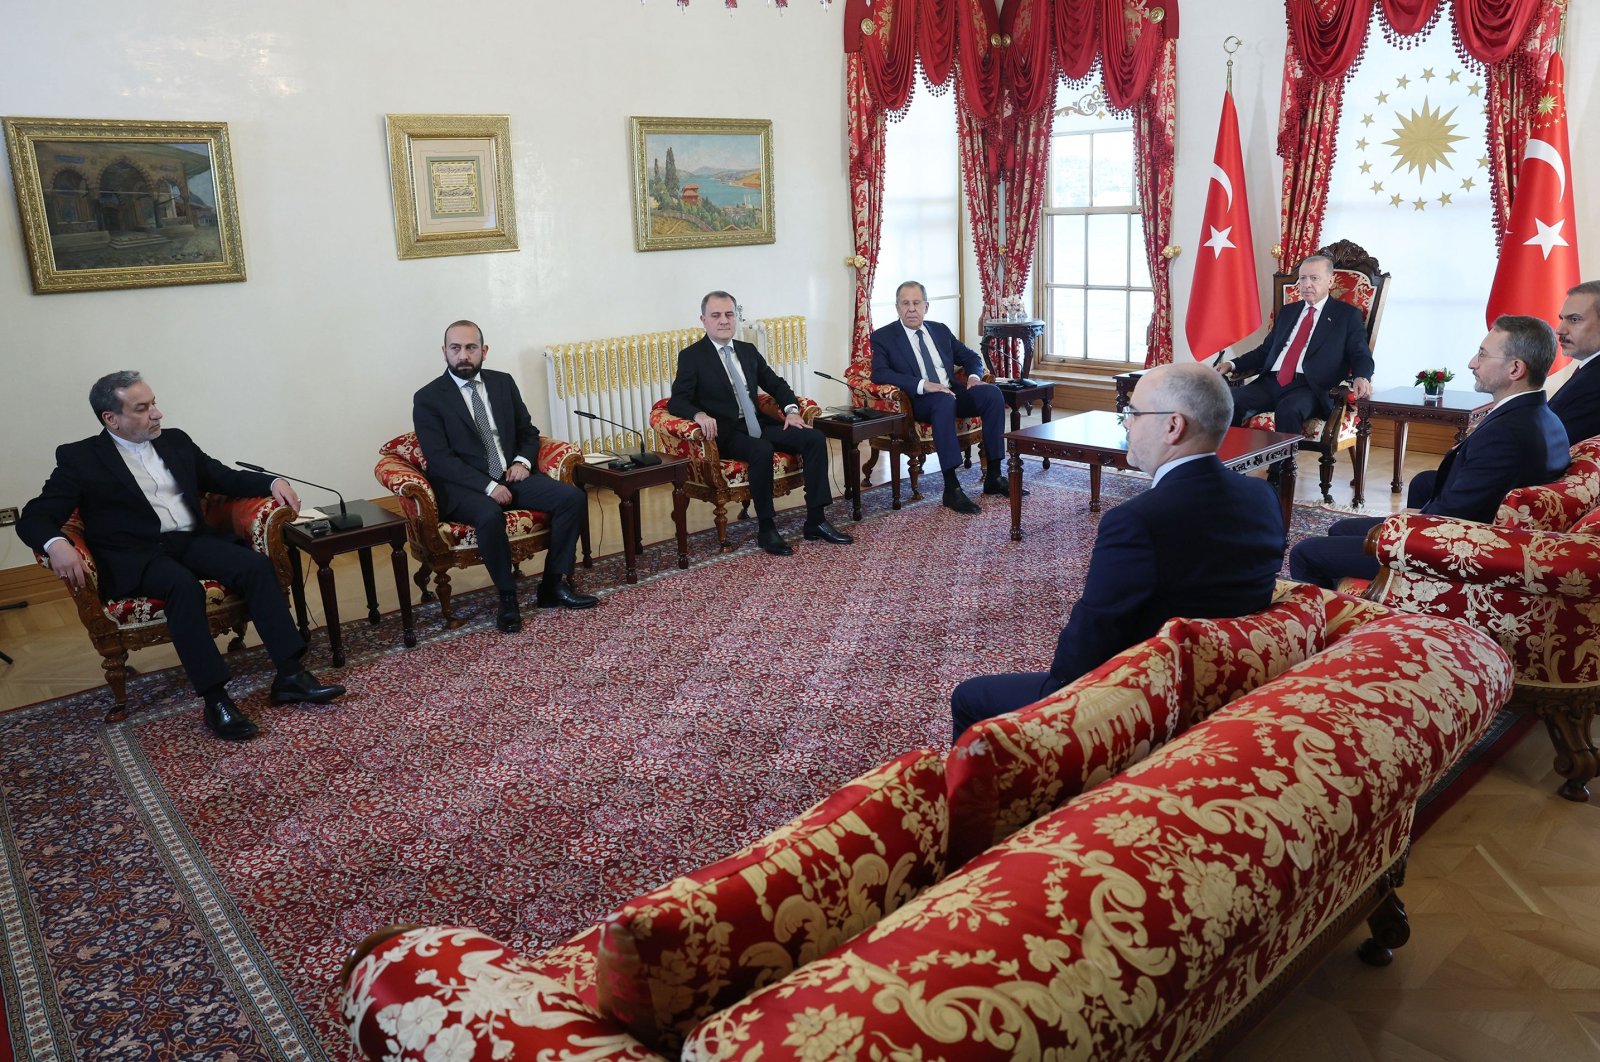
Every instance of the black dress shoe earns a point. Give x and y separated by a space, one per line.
1000 487
227 722
561 594
826 532
509 618
956 498
302 686
773 542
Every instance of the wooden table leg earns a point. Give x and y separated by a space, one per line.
1363 446
1015 470
627 503
583 532
852 476
894 475
1044 418
1286 472
330 606
1094 486
680 506
298 592
367 581
1400 429
402 586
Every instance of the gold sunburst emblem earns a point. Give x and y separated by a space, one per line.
1425 140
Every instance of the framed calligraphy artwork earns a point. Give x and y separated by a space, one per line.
450 175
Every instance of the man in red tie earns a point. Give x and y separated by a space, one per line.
1314 344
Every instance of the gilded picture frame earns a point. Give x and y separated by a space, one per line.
701 182
110 203
450 176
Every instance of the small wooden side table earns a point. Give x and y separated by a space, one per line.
378 525
1020 398
1008 332
626 483
851 434
1406 406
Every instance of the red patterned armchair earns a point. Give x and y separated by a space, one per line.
439 545
1358 281
714 478
121 625
919 433
1532 581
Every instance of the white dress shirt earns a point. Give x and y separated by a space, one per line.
155 480
933 350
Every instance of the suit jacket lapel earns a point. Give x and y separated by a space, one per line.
453 399
111 454
181 465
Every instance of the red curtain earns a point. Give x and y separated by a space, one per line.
1513 92
866 128
1308 122
1155 124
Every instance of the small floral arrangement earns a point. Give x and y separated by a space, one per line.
1011 308
1434 379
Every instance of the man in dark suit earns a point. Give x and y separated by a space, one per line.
1202 542
1519 443
919 357
1577 401
1313 345
716 387
481 445
137 488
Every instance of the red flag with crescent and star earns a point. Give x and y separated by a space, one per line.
1539 251
1224 301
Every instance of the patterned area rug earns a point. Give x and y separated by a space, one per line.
166 895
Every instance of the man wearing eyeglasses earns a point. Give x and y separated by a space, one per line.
1520 442
1202 541
1577 402
1312 347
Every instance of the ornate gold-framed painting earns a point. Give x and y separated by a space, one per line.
701 182
450 175
125 204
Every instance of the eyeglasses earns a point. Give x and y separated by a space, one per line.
1122 418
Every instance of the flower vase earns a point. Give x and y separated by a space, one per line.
1433 394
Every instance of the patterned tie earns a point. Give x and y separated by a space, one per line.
928 368
480 417
741 391
1297 347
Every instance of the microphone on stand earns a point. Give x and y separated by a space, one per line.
638 460
861 412
345 521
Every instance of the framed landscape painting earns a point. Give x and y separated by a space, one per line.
450 175
125 204
701 182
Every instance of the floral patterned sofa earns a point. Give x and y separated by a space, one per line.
1210 809
1531 580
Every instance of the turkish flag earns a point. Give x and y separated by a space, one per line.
1224 302
1539 251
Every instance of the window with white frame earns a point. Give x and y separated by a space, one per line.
1091 278
921 237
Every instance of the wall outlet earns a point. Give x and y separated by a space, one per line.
7 517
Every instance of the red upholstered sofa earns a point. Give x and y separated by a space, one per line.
1208 808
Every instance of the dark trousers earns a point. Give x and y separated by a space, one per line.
1342 554
1291 405
987 696
174 577
809 443
941 410
563 502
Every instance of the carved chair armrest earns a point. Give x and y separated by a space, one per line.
678 436
884 397
260 522
406 481
557 458
89 593
1554 563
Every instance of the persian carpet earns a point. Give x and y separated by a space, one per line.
167 895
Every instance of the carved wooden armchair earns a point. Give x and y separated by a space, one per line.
719 480
919 433
121 625
1358 281
1531 580
440 545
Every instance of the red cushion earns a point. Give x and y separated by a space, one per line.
1231 657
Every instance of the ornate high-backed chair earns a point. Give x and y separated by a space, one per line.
919 433
1358 281
717 479
121 625
440 545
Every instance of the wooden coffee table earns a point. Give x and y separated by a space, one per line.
1098 440
1406 406
626 483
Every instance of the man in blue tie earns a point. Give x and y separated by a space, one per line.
920 358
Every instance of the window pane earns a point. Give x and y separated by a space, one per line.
1108 249
1069 171
1141 307
1138 263
1066 248
1066 322
1113 169
1108 325
920 238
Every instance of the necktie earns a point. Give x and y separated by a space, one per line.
1297 347
480 417
741 391
928 368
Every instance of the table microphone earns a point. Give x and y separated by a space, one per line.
642 459
861 412
345 521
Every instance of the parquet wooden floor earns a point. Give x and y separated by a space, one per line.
1503 961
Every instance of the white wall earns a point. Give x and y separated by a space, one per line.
310 364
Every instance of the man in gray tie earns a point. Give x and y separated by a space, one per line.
920 358
716 386
481 445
